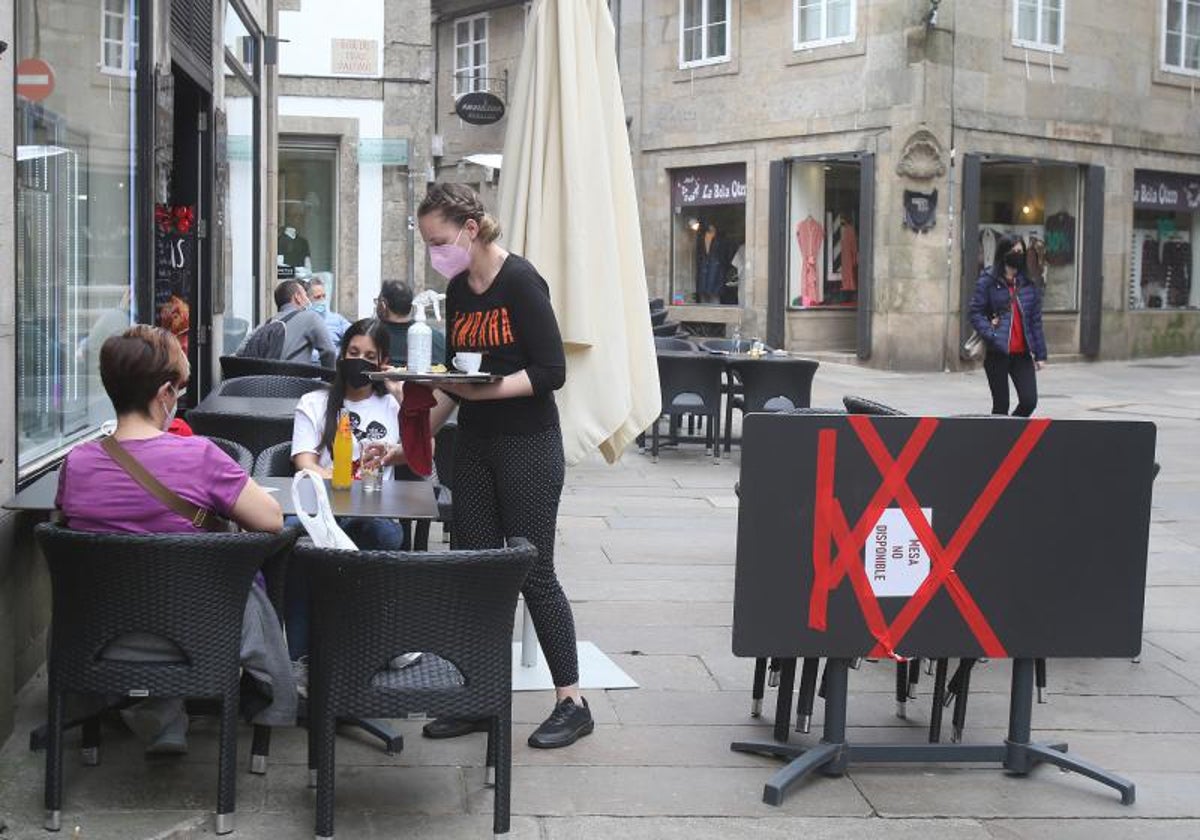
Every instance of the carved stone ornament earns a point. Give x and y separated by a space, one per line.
922 158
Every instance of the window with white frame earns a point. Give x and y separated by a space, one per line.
1038 24
118 36
703 32
1181 36
470 54
820 23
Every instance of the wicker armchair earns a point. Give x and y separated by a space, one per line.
234 366
275 462
268 386
690 383
369 606
239 453
188 588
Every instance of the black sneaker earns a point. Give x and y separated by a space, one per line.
453 727
566 725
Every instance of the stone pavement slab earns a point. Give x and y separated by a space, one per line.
646 552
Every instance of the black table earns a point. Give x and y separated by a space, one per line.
1000 537
396 499
255 422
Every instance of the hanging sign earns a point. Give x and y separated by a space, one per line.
479 108
1166 191
709 185
34 79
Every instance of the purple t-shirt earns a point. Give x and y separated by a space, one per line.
96 494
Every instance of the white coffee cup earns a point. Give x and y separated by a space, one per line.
468 362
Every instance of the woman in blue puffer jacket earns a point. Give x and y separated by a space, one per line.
1006 311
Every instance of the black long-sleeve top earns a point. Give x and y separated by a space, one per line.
512 323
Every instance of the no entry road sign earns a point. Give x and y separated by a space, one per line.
35 79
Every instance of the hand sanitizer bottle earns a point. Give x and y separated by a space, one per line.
420 341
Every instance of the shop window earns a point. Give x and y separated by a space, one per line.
819 23
1181 36
1163 257
118 36
703 32
308 206
823 210
1038 24
470 54
76 232
708 235
241 182
1041 204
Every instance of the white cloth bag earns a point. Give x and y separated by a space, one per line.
322 528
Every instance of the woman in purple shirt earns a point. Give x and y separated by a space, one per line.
145 372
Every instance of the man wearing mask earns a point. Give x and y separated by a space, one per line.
306 332
336 324
393 307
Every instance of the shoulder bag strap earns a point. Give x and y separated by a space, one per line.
203 519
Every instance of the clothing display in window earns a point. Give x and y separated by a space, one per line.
1060 239
711 264
1177 270
849 256
810 235
293 247
1035 260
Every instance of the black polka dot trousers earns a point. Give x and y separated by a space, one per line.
509 486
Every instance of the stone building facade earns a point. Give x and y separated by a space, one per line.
355 127
1056 127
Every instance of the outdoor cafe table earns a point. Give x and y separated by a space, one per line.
397 499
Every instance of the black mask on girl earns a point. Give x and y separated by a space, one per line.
354 371
1015 259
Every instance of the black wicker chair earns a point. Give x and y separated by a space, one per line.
658 317
234 366
188 588
772 383
369 606
668 343
275 461
252 431
862 405
268 386
239 453
690 383
666 328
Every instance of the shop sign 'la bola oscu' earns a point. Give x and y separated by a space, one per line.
479 108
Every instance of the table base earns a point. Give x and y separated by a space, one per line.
1018 755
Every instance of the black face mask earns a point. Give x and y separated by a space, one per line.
1015 259
354 371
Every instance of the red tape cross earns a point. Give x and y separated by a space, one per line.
830 524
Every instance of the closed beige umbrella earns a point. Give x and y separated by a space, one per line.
568 204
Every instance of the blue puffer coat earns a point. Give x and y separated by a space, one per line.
992 299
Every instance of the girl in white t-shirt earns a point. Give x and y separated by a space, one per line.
375 422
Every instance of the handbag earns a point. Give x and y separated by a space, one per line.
974 348
321 526
201 518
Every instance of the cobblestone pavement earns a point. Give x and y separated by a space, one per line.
646 554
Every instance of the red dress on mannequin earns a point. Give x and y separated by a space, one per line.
810 235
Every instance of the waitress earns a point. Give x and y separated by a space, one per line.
508 472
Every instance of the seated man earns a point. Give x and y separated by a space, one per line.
335 323
304 330
145 374
394 308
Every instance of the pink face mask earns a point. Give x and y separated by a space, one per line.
450 260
